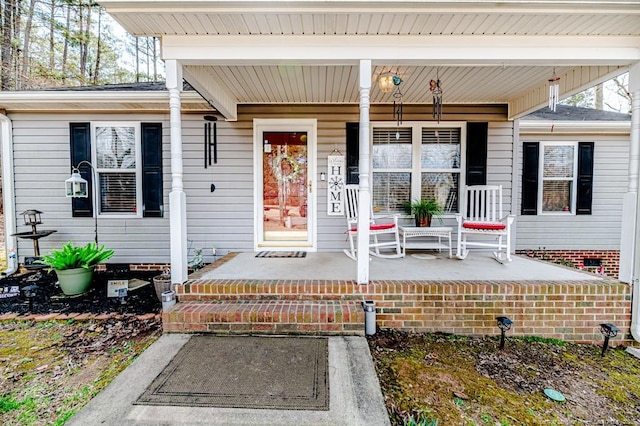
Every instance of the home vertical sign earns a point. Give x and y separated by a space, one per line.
335 184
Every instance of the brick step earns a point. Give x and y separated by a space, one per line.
338 317
203 290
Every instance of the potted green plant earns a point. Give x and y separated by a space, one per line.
424 210
74 265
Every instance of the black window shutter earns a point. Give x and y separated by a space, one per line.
80 139
152 170
531 153
585 178
353 152
477 153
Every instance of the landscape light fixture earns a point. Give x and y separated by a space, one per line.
608 331
504 324
77 187
29 294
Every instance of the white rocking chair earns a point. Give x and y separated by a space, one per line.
485 220
376 229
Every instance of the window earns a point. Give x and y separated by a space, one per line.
127 160
118 167
416 161
558 177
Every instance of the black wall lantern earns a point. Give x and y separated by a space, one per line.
504 324
210 140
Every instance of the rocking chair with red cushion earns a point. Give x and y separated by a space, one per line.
485 222
388 229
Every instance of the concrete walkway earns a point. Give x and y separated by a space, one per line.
355 397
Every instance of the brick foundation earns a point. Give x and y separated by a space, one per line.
566 310
576 259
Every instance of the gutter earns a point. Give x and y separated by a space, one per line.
8 199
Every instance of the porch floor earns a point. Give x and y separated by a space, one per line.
478 266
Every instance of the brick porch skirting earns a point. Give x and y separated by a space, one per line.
567 310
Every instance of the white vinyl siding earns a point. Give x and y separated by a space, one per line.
601 229
42 164
223 218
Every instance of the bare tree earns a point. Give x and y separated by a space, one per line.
621 89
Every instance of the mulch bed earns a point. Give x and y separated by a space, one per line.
48 298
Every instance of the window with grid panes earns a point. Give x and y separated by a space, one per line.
558 177
416 161
116 156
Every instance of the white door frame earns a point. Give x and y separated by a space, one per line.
310 126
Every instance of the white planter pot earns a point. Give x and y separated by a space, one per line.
75 281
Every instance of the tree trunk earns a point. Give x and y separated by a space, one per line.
17 28
27 40
599 96
137 61
155 59
5 48
65 49
52 37
96 74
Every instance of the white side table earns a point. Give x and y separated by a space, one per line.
438 232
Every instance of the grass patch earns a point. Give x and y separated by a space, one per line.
470 381
54 368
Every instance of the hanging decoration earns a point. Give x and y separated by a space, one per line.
436 90
397 100
335 183
554 91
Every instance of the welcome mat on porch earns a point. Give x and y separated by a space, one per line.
288 373
282 254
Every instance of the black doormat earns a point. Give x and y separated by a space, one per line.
282 254
287 373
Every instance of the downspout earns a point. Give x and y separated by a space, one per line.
634 89
11 247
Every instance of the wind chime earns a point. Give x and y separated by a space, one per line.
554 91
397 103
436 91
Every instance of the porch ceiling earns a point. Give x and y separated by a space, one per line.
237 52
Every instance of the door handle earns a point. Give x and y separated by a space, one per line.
310 185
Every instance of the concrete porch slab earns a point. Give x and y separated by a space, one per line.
478 266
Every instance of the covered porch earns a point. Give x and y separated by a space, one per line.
253 56
333 53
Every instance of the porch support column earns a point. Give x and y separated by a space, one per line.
628 238
632 256
364 198
177 197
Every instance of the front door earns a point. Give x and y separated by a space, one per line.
285 187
